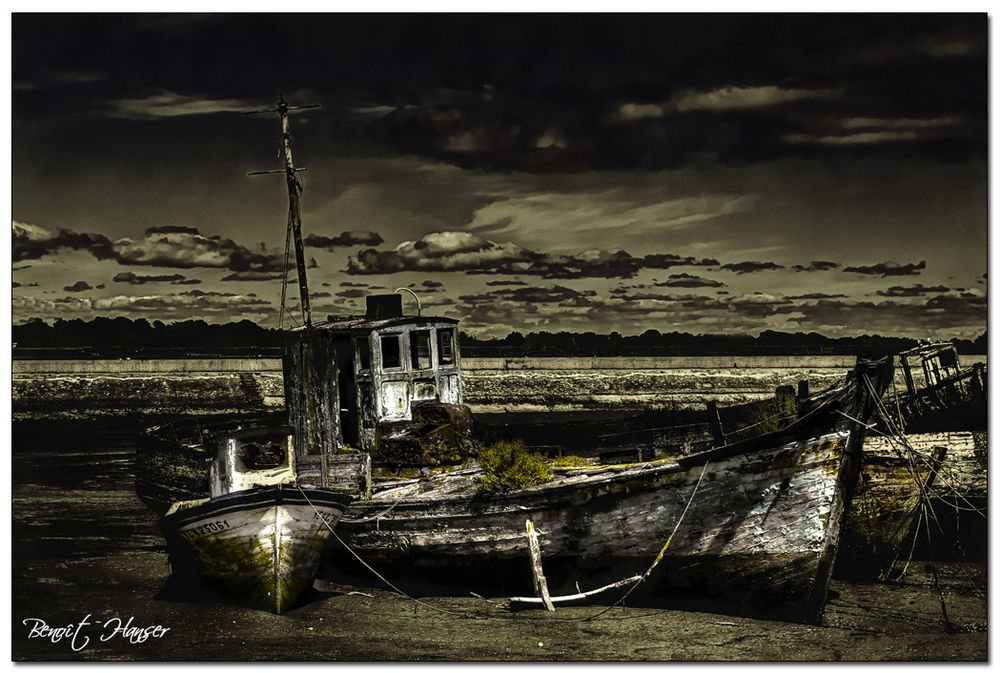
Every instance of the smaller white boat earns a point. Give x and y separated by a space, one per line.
261 535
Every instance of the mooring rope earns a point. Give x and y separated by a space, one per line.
377 573
639 580
659 557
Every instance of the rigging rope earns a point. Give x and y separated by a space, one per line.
926 502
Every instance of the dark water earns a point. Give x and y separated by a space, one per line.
85 549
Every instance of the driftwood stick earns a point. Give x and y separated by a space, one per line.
578 596
534 549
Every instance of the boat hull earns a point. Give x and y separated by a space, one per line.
761 531
262 546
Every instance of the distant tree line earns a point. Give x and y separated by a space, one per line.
126 337
653 342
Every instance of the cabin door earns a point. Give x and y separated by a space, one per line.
344 349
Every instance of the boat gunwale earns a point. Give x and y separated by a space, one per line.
612 474
269 496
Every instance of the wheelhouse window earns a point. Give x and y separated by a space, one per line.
446 346
420 349
363 348
391 351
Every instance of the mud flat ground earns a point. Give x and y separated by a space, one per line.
84 545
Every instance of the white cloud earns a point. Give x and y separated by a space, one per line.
169 104
743 98
898 123
852 139
721 100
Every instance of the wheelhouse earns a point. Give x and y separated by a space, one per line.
939 362
387 363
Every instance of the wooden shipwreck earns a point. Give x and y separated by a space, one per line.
763 529
951 397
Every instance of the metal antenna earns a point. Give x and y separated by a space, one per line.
294 214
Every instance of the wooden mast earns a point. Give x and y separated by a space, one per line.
308 365
294 192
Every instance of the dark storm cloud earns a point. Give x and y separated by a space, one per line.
348 283
965 303
661 108
251 276
534 93
344 240
30 241
165 246
465 251
688 280
187 248
224 305
499 283
816 265
816 295
889 269
352 293
940 312
441 251
751 267
134 279
666 261
427 286
556 294
916 290
78 286
473 254
513 98
171 229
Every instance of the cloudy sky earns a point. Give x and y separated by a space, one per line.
707 174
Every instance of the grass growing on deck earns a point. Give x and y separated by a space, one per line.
508 466
566 462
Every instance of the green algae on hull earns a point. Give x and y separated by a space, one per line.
261 546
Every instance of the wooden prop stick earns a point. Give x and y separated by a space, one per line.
534 549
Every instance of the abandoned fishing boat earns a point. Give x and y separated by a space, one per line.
260 534
892 493
762 528
920 495
952 398
249 507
